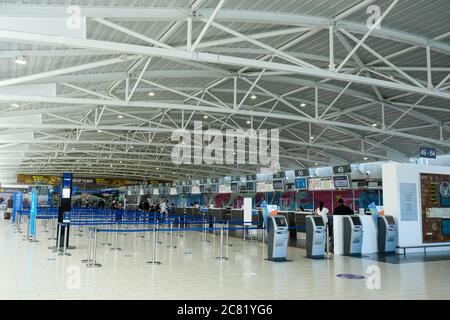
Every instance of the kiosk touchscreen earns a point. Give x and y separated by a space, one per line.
315 237
353 236
277 238
387 234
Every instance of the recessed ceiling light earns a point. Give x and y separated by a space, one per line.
20 60
253 97
205 117
121 161
15 105
120 116
132 147
157 168
365 158
374 124
151 93
73 148
248 122
99 131
316 164
302 104
312 138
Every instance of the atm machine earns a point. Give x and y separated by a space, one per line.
277 238
353 235
387 234
315 237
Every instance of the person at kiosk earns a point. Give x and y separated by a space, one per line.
322 211
342 209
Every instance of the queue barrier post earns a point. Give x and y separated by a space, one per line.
171 245
116 239
221 257
154 250
93 262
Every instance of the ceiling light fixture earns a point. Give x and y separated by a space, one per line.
365 158
253 97
374 125
205 117
248 122
151 93
302 104
15 105
120 116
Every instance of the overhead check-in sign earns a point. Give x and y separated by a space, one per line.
342 169
428 153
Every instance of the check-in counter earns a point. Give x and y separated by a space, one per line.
237 216
191 211
300 223
370 233
257 218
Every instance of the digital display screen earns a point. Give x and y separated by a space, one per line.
390 220
341 182
250 186
445 227
280 221
319 221
202 188
356 221
234 186
155 192
173 191
213 188
278 184
301 183
66 193
186 189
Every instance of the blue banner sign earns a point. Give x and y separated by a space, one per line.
33 212
17 205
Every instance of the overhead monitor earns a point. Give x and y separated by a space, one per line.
195 189
155 191
173 191
213 188
186 189
202 188
341 182
250 185
278 184
235 187
224 188
301 183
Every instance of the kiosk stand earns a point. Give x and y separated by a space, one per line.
277 238
353 236
315 237
387 234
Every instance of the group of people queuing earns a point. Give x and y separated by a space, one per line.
162 206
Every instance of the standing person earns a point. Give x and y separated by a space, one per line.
342 209
322 211
163 207
9 206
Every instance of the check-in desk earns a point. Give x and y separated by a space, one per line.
237 216
257 218
179 211
290 217
300 223
370 232
191 211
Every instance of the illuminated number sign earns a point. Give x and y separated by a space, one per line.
342 169
429 153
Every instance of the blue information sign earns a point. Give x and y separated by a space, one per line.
33 212
17 205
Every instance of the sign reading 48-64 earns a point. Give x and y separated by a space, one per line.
429 153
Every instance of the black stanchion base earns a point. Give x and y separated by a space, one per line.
95 265
106 244
153 263
116 249
62 254
172 247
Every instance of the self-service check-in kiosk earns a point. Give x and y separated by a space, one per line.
353 236
277 238
387 234
315 237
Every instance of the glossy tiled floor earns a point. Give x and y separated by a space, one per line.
190 271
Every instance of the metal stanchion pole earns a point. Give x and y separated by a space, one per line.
221 257
157 232
90 236
116 239
228 238
106 243
66 240
58 239
28 229
93 263
171 246
154 250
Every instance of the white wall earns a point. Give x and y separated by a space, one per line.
410 232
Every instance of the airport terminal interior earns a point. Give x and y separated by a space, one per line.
224 150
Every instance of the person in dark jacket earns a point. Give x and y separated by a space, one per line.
342 209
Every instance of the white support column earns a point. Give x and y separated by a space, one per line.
189 34
429 77
332 65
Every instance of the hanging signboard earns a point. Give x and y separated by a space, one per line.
428 153
302 173
342 169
